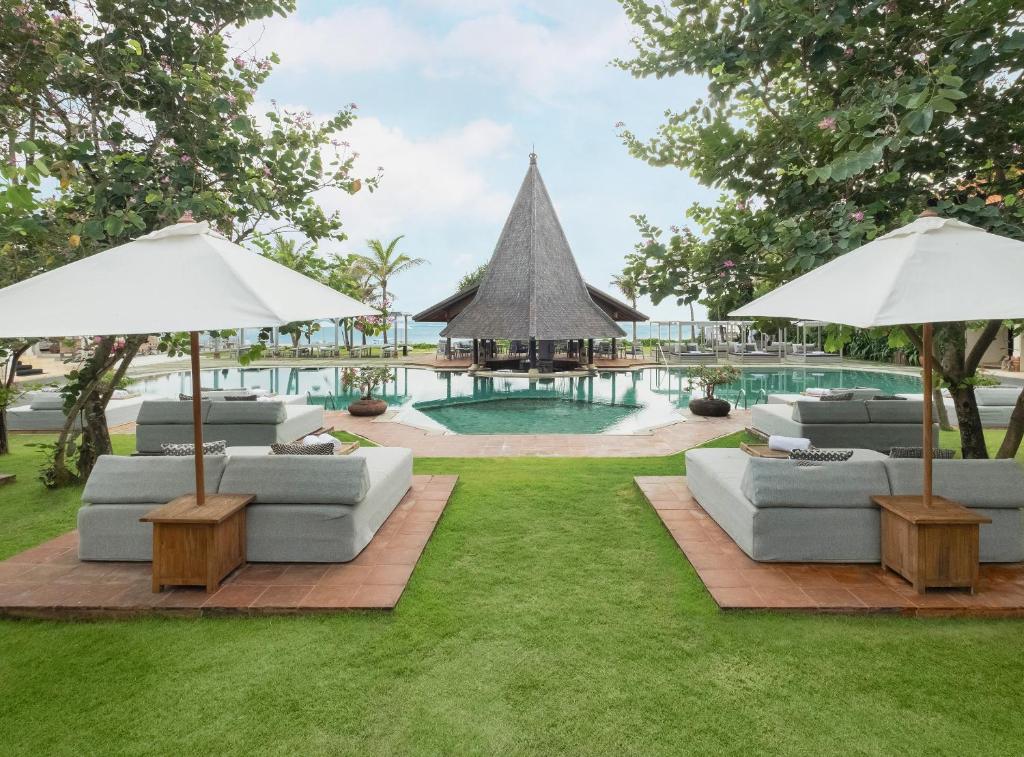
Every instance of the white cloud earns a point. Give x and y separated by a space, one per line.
539 52
428 182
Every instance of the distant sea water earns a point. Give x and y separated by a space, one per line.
427 333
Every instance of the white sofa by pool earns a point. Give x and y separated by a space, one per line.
45 412
776 510
308 508
240 424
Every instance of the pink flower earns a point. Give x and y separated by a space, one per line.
828 123
858 216
740 205
728 264
353 106
231 98
619 124
57 19
848 52
239 63
266 171
185 158
119 343
97 339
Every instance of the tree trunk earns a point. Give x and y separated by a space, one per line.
941 414
972 437
5 447
9 376
1014 431
384 307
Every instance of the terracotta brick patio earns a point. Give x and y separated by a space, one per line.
736 582
49 581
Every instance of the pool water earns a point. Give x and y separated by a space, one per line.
463 404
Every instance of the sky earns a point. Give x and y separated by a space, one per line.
452 96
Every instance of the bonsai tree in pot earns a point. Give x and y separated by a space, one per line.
366 379
707 378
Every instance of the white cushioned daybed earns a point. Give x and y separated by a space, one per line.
777 510
308 508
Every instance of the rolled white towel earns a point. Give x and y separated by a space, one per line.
817 391
328 439
787 443
311 439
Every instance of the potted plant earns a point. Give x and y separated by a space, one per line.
366 379
707 378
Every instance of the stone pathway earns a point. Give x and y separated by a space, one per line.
689 432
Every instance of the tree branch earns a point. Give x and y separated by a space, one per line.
981 346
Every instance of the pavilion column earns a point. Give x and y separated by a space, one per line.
614 353
590 352
406 328
476 352
448 348
533 353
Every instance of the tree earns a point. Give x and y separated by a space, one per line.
473 278
302 258
825 124
139 112
382 265
628 282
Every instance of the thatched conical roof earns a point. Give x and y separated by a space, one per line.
532 287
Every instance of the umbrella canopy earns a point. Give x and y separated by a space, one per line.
932 270
185 277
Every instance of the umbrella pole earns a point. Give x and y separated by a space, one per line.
197 418
926 452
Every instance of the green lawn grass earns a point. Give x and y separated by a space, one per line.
551 613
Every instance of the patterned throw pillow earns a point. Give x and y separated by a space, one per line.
240 397
185 397
188 450
302 449
899 453
887 397
817 455
837 397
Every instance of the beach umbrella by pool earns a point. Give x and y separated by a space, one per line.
930 271
185 277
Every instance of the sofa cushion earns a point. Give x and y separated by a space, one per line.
784 483
169 412
188 449
817 455
45 400
225 413
885 411
313 448
298 479
997 395
805 411
975 483
138 480
903 453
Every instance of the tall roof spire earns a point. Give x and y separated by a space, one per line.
532 287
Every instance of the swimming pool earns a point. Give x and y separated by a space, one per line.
607 403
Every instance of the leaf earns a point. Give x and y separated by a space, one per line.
113 226
153 197
918 121
1014 42
134 46
951 94
942 105
951 81
41 166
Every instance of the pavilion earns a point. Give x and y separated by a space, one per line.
532 295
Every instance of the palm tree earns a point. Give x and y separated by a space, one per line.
383 264
628 283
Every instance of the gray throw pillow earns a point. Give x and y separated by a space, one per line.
898 453
887 397
302 449
240 397
837 397
188 450
817 455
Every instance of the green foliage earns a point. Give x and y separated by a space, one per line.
709 377
825 124
381 265
473 278
366 379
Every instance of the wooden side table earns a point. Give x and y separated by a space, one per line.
933 546
198 546
762 450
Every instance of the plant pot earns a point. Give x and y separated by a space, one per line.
367 408
709 408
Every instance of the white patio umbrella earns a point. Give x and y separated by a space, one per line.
930 271
185 277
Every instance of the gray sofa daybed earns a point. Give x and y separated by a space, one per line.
868 424
776 510
240 424
308 508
